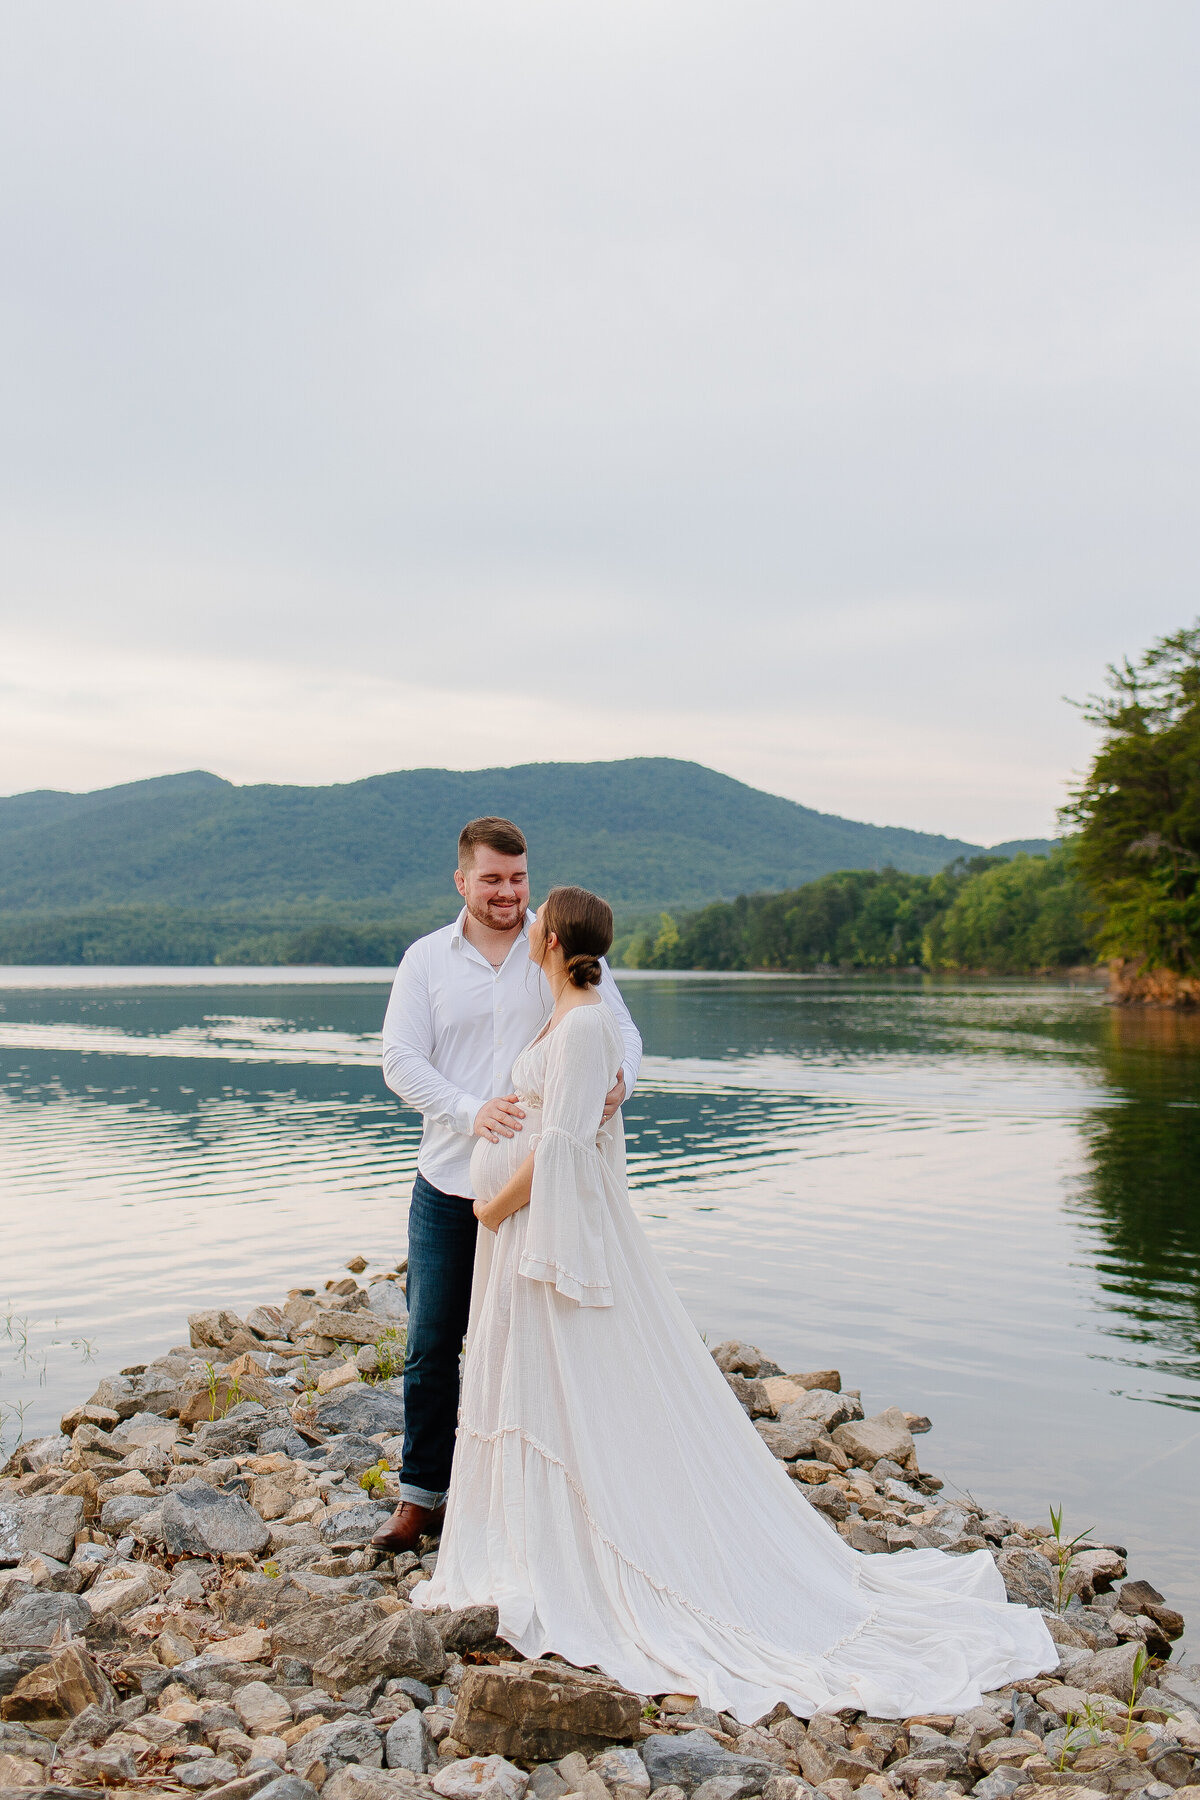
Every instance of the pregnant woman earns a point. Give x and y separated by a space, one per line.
609 1495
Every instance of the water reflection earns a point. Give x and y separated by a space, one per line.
1140 1197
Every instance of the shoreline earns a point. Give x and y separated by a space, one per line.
188 1603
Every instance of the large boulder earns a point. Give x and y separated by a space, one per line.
199 1520
60 1688
829 1409
867 1441
31 1622
39 1525
540 1711
403 1643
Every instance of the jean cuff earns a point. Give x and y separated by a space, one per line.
416 1496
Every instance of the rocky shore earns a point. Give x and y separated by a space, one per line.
188 1603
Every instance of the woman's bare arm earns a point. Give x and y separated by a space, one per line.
511 1198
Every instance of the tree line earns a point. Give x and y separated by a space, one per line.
1124 885
1003 915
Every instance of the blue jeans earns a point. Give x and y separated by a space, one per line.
441 1257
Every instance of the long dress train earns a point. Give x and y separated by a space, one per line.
612 1499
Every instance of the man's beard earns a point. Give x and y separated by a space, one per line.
482 916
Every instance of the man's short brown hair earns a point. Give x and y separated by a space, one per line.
497 834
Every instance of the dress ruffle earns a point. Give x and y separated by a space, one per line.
564 1237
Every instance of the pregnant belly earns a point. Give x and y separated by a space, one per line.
493 1164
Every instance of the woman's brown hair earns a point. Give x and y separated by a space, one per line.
583 924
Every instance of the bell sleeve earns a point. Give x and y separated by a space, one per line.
564 1239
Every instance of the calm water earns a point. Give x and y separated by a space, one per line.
979 1201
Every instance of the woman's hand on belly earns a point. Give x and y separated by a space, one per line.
511 1198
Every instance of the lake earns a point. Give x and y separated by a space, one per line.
979 1200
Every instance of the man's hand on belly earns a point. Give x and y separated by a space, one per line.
613 1099
499 1118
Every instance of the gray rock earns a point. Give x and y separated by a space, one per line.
364 1410
287 1787
735 1358
791 1434
404 1643
92 1726
23 1740
353 1739
728 1787
39 1524
828 1499
200 1521
417 1691
1182 1685
239 1432
468 1628
21 1663
868 1441
386 1300
834 1410
545 1783
751 1396
358 1782
348 1451
123 1509
1107 1672
109 1763
1000 1783
120 1394
408 1745
207 1772
285 1438
622 1767
688 1761
31 1622
1028 1577
351 1526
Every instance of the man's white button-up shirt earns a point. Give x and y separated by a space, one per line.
453 1029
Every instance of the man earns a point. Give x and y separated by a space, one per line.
465 1002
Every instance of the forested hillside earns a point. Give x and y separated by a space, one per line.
1025 914
189 868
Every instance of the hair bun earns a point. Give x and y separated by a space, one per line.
583 970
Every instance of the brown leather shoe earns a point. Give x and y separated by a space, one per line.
406 1525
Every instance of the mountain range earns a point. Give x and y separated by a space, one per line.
649 832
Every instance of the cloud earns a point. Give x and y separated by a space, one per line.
817 383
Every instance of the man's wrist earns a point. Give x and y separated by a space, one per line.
467 1113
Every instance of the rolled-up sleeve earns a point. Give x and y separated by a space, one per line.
408 1050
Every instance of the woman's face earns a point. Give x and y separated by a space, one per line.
540 942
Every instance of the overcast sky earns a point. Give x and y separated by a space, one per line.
807 389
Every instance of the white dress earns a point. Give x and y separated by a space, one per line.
612 1499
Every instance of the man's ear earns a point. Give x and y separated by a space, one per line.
460 882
